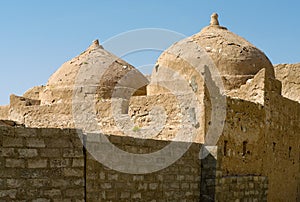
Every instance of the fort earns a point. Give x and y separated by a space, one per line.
229 112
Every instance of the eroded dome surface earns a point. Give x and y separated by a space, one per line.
60 85
236 59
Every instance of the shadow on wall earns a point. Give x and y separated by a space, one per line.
208 178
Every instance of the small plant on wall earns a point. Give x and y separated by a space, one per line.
136 129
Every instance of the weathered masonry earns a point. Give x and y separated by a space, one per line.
255 156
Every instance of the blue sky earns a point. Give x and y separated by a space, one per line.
36 37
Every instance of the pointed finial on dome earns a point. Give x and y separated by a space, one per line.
96 42
214 19
95 45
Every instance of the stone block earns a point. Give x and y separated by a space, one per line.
180 177
37 163
73 152
176 185
39 182
194 185
251 185
9 173
77 162
109 195
113 177
59 183
185 185
188 194
11 193
15 183
2 182
58 142
137 196
138 178
8 152
59 163
102 175
142 186
27 153
2 162
15 163
50 152
75 192
12 142
29 132
125 195
106 185
73 172
35 142
79 182
52 193
153 186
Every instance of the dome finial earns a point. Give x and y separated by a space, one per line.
214 19
95 45
96 42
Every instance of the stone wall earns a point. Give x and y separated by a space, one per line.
178 182
217 184
242 188
52 165
40 165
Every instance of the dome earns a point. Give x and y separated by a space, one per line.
236 59
66 74
60 85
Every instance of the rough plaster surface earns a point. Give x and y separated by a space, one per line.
237 60
289 75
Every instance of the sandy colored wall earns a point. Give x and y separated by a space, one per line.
282 157
4 112
289 75
242 142
263 141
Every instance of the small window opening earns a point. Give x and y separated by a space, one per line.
225 147
274 145
244 148
290 150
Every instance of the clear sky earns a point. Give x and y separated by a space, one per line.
36 37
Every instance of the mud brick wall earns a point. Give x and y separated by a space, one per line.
242 141
282 159
41 165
